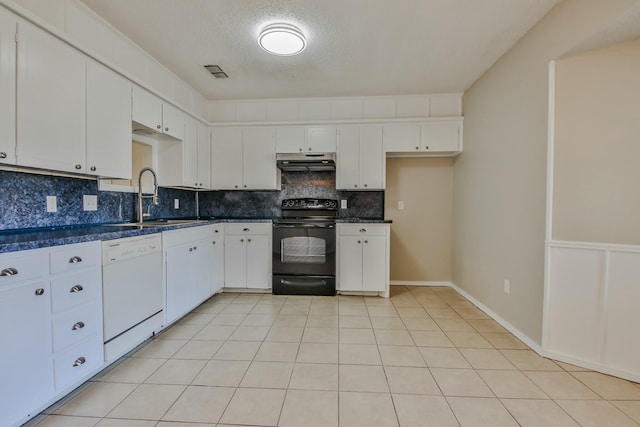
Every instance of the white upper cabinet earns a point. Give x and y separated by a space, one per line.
441 136
306 139
290 139
149 110
196 154
321 139
259 155
243 158
108 123
226 158
51 103
204 155
433 138
403 137
7 88
360 158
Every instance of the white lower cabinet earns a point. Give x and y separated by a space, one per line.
363 257
217 275
25 337
76 309
188 274
247 255
51 333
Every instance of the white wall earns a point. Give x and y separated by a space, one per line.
500 178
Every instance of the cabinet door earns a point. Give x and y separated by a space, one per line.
258 256
321 139
259 153
180 278
374 263
217 263
290 139
108 123
7 88
147 109
348 158
350 270
190 153
372 158
440 136
235 261
172 121
201 257
26 359
204 156
400 138
51 103
226 158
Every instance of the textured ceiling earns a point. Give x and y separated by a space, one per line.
355 47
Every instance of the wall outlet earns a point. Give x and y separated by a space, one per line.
90 202
343 204
401 205
507 286
52 204
176 203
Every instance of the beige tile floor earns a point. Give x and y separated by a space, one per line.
426 357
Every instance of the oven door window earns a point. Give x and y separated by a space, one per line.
303 250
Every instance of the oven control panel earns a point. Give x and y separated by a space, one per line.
324 204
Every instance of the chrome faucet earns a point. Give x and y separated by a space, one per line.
140 196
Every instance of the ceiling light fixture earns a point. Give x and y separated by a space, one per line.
282 39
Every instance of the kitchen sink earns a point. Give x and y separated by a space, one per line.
157 223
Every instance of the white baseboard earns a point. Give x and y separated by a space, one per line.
594 366
419 283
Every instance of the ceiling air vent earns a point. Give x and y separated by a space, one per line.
216 71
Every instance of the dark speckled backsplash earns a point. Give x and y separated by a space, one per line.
266 204
23 202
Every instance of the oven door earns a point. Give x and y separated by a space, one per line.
305 249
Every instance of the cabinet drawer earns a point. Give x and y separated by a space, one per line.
362 229
19 267
187 235
248 228
74 290
73 326
75 364
75 257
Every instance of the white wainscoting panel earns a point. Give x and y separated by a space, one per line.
592 307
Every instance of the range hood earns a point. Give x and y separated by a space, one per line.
306 162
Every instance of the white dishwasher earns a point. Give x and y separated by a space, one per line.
132 292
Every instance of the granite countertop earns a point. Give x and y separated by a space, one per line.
23 239
19 240
362 221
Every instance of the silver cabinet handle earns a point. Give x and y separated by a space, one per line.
166 129
75 260
78 166
8 272
93 168
3 155
39 292
363 230
158 127
76 288
79 361
77 325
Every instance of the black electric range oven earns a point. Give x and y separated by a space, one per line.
304 248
